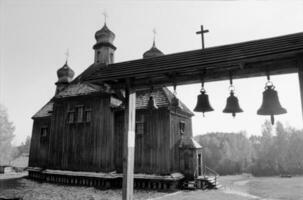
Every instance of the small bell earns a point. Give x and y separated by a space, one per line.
232 105
271 104
175 103
152 104
203 104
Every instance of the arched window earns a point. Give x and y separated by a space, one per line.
111 57
98 56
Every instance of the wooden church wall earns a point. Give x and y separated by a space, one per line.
175 137
86 146
39 144
152 151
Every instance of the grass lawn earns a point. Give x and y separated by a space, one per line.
277 188
264 187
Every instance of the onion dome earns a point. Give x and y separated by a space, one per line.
65 74
153 52
105 35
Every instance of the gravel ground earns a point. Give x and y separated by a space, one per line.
32 190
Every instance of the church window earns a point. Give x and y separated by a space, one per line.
71 117
111 57
182 127
98 55
87 115
80 113
140 125
43 134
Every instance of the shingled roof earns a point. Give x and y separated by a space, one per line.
79 89
45 111
162 97
189 143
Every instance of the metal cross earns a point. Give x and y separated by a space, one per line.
105 16
67 55
202 31
155 32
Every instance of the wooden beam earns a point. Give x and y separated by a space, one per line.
300 74
129 143
240 70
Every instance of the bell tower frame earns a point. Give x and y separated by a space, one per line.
279 55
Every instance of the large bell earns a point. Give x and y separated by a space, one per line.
271 104
232 105
151 105
203 104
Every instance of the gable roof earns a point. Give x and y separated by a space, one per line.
79 89
45 111
162 97
189 143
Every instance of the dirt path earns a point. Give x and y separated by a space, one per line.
239 185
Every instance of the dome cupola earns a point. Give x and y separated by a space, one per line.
105 35
104 47
65 74
153 52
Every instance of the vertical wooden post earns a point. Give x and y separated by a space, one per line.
129 143
300 74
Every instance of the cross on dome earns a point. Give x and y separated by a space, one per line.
153 51
154 39
105 16
66 55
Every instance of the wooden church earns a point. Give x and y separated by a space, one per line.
77 136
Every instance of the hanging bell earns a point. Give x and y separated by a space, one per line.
151 105
175 103
203 104
232 105
271 104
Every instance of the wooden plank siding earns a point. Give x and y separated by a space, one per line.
38 151
151 150
98 145
86 146
175 137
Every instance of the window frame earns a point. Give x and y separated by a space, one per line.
79 113
182 126
87 115
140 125
71 116
44 131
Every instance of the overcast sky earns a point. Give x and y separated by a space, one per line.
34 36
